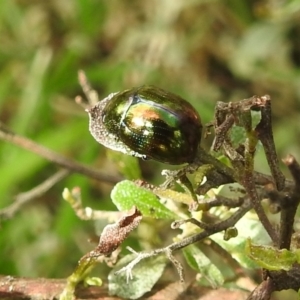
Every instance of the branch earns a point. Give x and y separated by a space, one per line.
110 239
73 197
265 135
54 157
247 181
209 230
23 198
290 205
262 291
12 288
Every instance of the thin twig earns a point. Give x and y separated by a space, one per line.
225 201
91 95
73 197
247 181
240 113
288 210
262 291
23 198
67 163
265 135
214 228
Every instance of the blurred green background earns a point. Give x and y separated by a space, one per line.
205 51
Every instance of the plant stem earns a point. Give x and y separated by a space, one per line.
67 163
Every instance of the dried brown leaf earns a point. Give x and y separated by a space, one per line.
113 235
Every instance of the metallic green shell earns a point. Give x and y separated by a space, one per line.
149 122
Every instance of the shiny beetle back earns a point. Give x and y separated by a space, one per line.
152 123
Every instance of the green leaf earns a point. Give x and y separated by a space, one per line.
256 118
271 258
145 274
247 227
126 194
179 197
237 135
209 273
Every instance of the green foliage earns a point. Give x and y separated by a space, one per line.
271 258
144 276
246 227
127 194
205 51
208 273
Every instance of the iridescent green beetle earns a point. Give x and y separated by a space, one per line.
149 123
